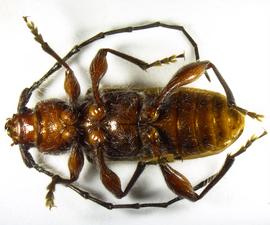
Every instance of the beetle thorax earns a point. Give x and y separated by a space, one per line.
93 116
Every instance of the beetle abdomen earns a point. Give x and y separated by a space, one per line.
196 123
205 123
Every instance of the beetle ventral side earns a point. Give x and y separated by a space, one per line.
153 126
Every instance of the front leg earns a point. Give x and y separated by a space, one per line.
71 84
75 164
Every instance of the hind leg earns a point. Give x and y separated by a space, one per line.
180 185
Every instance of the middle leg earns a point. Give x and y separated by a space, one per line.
111 181
99 67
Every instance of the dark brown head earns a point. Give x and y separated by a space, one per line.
21 128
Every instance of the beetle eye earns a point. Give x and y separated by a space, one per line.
8 126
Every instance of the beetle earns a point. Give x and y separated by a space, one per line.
154 126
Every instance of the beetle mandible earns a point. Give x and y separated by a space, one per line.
153 126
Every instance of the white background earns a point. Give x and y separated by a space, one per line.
235 35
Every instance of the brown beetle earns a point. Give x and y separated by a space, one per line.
152 126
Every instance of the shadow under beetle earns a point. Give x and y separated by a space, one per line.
152 125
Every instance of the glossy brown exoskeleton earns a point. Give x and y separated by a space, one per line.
152 126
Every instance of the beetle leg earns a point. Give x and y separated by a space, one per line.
71 84
138 171
97 70
178 183
229 94
228 163
111 181
72 87
185 75
210 182
109 205
182 187
75 164
140 63
27 92
99 67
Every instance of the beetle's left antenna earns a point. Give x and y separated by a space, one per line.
45 46
71 84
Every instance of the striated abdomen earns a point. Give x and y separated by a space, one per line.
205 124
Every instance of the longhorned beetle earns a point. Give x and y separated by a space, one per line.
150 125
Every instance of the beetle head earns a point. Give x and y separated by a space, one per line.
12 127
21 128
